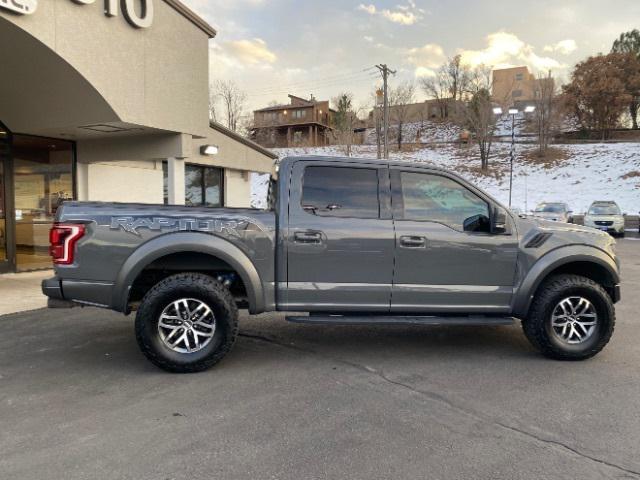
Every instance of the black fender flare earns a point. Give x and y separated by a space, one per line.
180 242
551 261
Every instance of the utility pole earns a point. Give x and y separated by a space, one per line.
385 71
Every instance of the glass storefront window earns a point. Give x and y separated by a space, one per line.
203 185
43 179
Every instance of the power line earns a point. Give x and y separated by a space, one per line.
318 82
310 85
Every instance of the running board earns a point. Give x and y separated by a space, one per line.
472 320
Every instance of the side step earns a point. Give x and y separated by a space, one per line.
472 320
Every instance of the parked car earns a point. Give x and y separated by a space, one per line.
349 241
554 211
606 216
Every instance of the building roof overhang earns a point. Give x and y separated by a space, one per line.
239 138
189 14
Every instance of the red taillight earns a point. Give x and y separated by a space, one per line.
63 238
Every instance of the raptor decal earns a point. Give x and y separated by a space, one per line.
224 225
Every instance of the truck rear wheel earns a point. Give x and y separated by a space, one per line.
571 318
186 323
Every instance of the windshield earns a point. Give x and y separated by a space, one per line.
605 209
550 208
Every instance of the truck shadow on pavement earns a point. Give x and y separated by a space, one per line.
95 340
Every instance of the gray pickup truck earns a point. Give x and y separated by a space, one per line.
350 242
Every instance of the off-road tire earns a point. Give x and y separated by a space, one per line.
537 325
186 285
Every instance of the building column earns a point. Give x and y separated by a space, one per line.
311 136
288 137
82 181
175 181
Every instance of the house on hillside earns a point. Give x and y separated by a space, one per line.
301 122
516 86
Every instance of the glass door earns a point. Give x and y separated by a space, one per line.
42 180
6 257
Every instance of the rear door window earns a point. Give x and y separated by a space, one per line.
341 192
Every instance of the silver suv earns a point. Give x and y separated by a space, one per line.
605 216
554 211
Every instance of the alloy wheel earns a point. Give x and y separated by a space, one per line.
186 325
574 320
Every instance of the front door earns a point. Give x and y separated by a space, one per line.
340 238
446 258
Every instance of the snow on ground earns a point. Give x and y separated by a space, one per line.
578 175
420 132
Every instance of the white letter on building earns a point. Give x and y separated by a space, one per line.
145 19
111 8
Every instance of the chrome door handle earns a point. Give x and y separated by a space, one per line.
307 237
410 241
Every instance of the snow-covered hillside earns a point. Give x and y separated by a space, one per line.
578 175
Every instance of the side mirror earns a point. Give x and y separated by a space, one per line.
476 223
499 223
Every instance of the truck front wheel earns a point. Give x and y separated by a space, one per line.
186 323
571 318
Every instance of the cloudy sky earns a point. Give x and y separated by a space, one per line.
274 47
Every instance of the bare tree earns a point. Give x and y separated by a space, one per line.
449 85
437 88
213 106
400 99
476 114
344 121
233 101
546 114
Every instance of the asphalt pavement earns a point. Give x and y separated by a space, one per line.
78 401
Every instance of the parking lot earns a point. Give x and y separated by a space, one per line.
78 400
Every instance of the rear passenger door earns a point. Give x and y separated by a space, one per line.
340 238
447 259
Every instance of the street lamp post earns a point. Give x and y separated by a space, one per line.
513 112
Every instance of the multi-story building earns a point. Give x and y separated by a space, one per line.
516 86
300 123
512 85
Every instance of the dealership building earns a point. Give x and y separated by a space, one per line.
107 100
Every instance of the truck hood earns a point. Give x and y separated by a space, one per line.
588 235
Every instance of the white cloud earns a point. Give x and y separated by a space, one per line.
506 50
370 9
251 52
426 59
368 38
402 14
565 47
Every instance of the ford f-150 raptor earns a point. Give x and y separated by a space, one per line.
350 241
